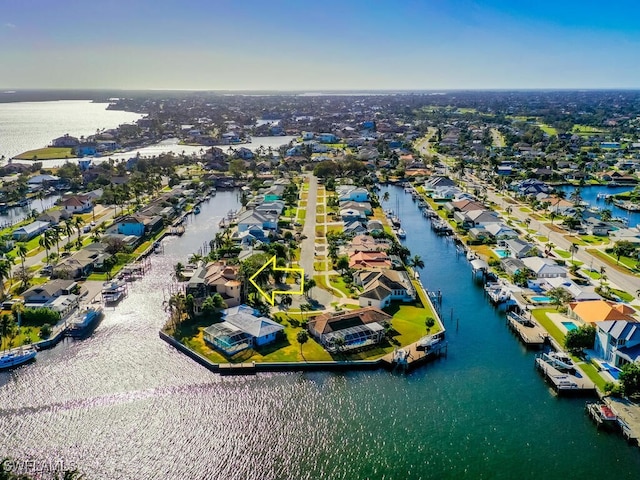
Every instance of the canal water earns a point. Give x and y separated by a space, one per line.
123 404
590 193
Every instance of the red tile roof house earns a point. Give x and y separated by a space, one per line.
77 204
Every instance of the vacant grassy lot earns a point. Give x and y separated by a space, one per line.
47 153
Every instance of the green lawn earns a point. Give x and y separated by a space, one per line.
592 372
540 314
337 282
302 214
26 336
624 296
593 275
548 129
624 265
47 153
562 253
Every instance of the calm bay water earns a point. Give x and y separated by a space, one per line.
590 195
123 404
30 125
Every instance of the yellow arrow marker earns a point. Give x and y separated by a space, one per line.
271 298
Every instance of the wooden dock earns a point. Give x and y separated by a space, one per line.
531 334
565 383
410 356
628 417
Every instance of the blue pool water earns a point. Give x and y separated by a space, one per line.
541 299
569 325
500 252
613 371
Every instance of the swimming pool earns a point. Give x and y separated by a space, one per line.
613 371
569 326
540 299
501 252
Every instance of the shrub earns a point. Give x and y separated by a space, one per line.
37 317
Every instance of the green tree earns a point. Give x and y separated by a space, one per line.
309 283
430 322
630 379
623 248
342 264
5 272
237 167
581 338
22 253
559 296
6 326
573 249
45 242
302 338
78 222
178 270
415 263
605 215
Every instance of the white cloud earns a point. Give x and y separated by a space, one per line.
9 25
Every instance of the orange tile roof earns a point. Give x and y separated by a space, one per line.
600 310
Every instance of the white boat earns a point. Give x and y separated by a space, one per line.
113 291
559 360
471 255
401 233
83 320
16 357
428 342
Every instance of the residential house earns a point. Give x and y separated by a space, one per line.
367 243
29 231
351 215
356 328
350 192
369 260
595 311
130 225
77 204
438 182
478 234
519 248
216 277
65 141
327 138
364 207
57 295
476 218
375 226
595 226
544 267
512 265
241 328
381 287
500 231
354 228
53 217
250 218
578 293
618 341
82 262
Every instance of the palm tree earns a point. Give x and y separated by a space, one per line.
6 325
302 338
176 308
178 269
415 263
78 222
309 283
195 258
17 309
22 253
605 215
55 237
385 197
573 249
45 243
67 228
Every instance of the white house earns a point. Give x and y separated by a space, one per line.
381 287
27 232
618 341
500 231
544 267
77 204
251 218
351 192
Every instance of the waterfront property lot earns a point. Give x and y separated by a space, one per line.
47 153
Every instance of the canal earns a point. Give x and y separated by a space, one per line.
123 404
589 194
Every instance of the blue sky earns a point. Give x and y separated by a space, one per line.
323 45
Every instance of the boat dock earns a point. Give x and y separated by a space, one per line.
565 383
410 356
628 417
531 334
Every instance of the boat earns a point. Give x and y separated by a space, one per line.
395 221
428 342
196 210
82 321
401 233
16 357
559 360
471 255
113 291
